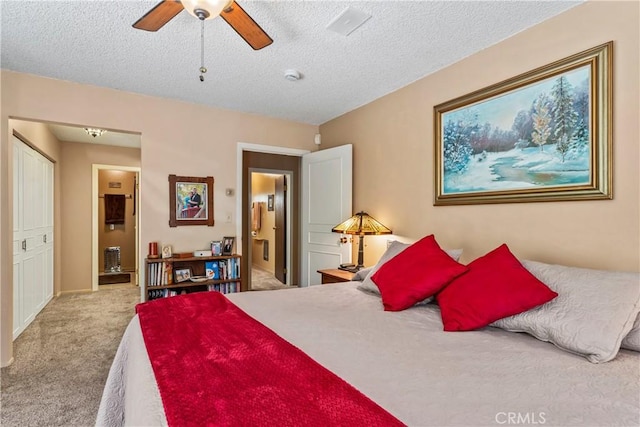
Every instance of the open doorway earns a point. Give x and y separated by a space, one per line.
265 159
115 226
270 242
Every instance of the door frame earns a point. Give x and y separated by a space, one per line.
241 147
94 220
288 222
257 148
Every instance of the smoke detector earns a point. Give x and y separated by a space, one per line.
292 75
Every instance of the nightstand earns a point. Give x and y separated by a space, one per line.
335 276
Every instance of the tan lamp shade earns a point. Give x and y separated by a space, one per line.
361 224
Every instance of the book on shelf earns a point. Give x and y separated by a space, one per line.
212 270
160 274
225 288
169 276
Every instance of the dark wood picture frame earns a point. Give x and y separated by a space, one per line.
228 245
180 212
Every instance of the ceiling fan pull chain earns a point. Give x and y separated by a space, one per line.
203 69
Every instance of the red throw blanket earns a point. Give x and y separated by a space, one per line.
216 365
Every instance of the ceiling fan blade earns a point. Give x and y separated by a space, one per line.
159 15
244 25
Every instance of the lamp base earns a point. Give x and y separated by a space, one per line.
360 252
350 269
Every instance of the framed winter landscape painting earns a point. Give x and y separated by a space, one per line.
542 136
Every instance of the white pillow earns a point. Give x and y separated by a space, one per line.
361 274
394 249
593 312
632 340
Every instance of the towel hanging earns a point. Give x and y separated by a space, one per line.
255 216
114 208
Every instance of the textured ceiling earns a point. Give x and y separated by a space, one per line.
93 42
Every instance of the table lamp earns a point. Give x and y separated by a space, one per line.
361 224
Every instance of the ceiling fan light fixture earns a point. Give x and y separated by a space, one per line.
205 9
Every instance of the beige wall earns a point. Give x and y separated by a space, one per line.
78 159
177 138
122 235
261 186
393 152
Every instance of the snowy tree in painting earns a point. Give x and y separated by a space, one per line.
457 146
579 144
541 121
564 115
523 126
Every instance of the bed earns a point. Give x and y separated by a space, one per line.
408 365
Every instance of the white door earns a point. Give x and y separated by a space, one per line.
32 234
326 202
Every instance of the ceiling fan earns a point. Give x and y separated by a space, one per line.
230 11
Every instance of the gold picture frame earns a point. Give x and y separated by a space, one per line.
490 144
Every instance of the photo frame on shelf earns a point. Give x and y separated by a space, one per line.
166 251
190 200
216 248
227 245
182 275
541 136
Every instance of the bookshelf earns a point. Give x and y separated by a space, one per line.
166 277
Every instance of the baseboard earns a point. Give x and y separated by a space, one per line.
8 363
81 291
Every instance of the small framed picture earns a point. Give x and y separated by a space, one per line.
216 248
183 274
270 202
227 245
166 251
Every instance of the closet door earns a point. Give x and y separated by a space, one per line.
32 234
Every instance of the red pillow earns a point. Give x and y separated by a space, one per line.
495 286
414 274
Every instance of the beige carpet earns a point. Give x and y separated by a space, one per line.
262 280
62 359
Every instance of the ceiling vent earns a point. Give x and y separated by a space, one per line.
348 21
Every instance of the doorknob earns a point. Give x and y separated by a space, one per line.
44 238
343 240
24 245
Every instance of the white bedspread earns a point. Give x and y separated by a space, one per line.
409 366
